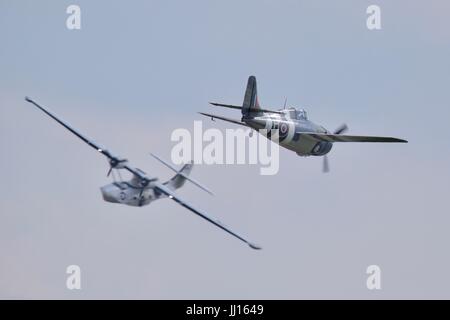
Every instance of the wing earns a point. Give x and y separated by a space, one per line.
163 189
347 138
212 116
92 144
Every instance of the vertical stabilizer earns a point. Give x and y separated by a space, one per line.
250 106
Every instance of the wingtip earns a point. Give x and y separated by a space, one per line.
254 246
28 99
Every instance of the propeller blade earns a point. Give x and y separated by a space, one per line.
109 171
341 129
326 167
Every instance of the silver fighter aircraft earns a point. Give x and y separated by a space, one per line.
291 126
142 188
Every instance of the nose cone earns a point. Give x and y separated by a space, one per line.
322 148
109 194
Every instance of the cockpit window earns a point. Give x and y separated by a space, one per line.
293 113
301 114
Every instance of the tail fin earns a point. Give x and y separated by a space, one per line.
250 104
182 175
179 179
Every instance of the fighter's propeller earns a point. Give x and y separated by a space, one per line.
325 166
339 130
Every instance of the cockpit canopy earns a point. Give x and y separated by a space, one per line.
298 114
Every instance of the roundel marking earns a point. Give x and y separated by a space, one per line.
284 128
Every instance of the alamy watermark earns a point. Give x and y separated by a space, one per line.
373 281
238 146
373 21
73 281
73 21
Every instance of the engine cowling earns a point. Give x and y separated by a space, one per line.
321 148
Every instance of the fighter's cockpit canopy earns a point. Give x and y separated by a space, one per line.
299 114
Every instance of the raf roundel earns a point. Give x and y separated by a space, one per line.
284 129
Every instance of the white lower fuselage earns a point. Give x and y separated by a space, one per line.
125 193
285 132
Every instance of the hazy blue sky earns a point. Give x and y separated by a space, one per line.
138 70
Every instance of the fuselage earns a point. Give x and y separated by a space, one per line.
125 192
285 129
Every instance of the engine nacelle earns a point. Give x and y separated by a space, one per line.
321 148
118 163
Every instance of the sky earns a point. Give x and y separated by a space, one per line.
137 71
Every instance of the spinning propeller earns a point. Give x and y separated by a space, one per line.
341 129
116 163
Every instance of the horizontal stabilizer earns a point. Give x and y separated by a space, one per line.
226 105
212 116
347 138
240 108
182 174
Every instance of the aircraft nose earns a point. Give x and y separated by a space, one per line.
108 195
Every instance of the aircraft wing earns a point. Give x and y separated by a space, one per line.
212 116
92 144
163 189
348 138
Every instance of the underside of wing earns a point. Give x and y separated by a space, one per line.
163 189
348 138
212 116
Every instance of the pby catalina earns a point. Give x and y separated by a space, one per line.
143 189
291 127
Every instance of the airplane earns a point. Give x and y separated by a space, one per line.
291 127
142 189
